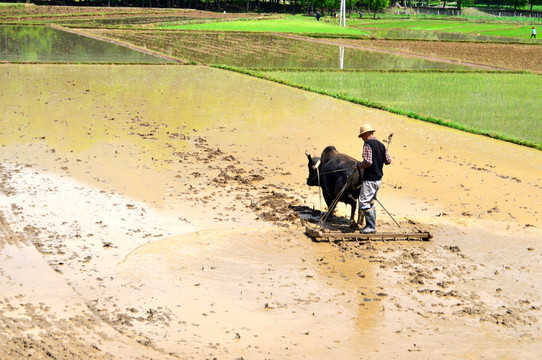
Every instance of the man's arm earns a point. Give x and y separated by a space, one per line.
367 157
388 158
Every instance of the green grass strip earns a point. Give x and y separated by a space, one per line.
379 105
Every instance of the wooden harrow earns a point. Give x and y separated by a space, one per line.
321 235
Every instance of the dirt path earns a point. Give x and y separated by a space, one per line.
173 213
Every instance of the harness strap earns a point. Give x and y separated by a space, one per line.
328 172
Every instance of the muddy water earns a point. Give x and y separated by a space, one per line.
257 124
270 51
125 186
45 44
244 300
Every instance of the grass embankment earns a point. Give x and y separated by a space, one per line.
501 105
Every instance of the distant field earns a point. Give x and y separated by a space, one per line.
465 27
294 24
88 16
520 32
305 24
507 105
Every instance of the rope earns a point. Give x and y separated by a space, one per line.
327 172
396 223
319 190
333 204
324 217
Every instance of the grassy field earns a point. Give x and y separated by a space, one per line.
12 4
293 24
305 24
465 27
497 104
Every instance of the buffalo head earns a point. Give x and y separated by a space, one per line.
314 164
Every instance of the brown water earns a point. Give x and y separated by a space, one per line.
267 50
118 187
45 44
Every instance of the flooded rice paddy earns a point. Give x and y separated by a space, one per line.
266 50
170 200
405 34
46 44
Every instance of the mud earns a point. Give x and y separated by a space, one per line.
271 50
164 219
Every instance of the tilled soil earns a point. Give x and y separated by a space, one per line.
167 221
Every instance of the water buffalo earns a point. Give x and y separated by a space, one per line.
336 169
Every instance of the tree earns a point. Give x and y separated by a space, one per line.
326 4
378 5
519 3
534 2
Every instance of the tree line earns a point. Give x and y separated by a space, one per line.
511 4
292 6
267 6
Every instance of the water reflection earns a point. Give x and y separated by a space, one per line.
45 44
341 57
265 50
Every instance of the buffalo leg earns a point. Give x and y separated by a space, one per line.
330 209
353 224
353 202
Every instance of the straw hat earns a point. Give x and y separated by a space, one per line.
365 128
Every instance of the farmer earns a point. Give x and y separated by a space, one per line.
375 155
533 33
